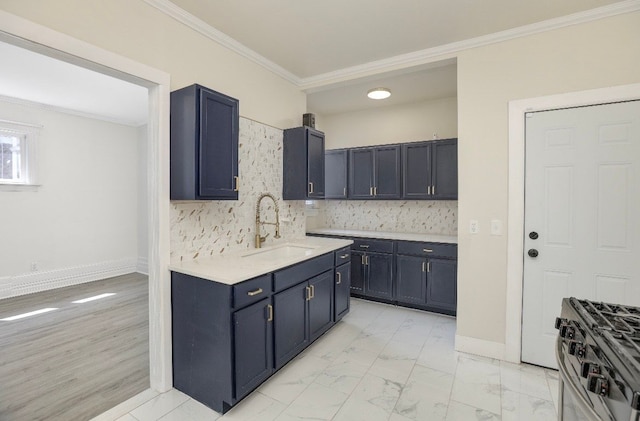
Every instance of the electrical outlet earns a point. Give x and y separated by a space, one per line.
496 227
474 226
33 266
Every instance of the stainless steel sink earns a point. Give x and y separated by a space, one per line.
280 252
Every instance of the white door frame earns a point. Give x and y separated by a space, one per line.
55 44
515 229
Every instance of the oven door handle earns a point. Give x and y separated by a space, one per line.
565 378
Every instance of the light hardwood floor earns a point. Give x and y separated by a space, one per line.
80 360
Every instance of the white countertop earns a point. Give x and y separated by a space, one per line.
387 235
233 268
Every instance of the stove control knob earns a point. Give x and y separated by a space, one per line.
567 331
577 348
598 384
589 367
635 401
560 321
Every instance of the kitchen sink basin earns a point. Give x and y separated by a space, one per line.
280 252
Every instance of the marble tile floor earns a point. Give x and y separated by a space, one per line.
380 363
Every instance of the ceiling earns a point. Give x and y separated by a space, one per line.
312 43
314 39
29 76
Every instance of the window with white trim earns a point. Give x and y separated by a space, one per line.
18 153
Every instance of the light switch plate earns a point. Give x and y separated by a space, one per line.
474 226
496 227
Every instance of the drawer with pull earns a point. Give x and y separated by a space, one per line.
342 256
417 248
251 291
375 246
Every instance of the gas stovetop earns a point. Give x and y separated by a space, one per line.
602 343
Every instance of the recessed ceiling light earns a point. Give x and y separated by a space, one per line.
379 93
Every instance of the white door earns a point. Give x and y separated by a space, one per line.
582 198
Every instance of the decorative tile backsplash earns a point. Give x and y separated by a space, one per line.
207 228
424 217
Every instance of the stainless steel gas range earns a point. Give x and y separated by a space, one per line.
598 354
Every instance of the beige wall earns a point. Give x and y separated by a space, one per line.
136 30
592 55
392 124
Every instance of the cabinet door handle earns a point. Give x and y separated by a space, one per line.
236 183
364 246
366 260
370 191
344 191
308 293
433 190
254 292
427 250
362 259
270 308
424 266
313 290
344 256
375 191
339 276
310 187
428 266
428 190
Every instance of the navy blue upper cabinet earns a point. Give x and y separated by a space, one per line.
303 164
430 170
374 173
204 145
335 175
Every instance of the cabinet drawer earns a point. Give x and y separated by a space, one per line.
416 248
251 291
290 276
343 256
379 246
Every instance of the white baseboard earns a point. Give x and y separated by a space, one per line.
13 286
480 347
143 265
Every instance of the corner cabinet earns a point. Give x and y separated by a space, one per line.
228 339
430 170
303 164
204 145
335 174
374 173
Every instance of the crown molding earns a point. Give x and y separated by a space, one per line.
198 25
56 108
449 51
402 61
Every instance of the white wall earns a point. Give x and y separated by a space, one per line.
85 214
134 29
586 56
391 124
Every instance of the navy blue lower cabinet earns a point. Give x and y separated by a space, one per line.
358 273
442 284
252 329
342 290
379 280
411 279
228 339
321 304
291 332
